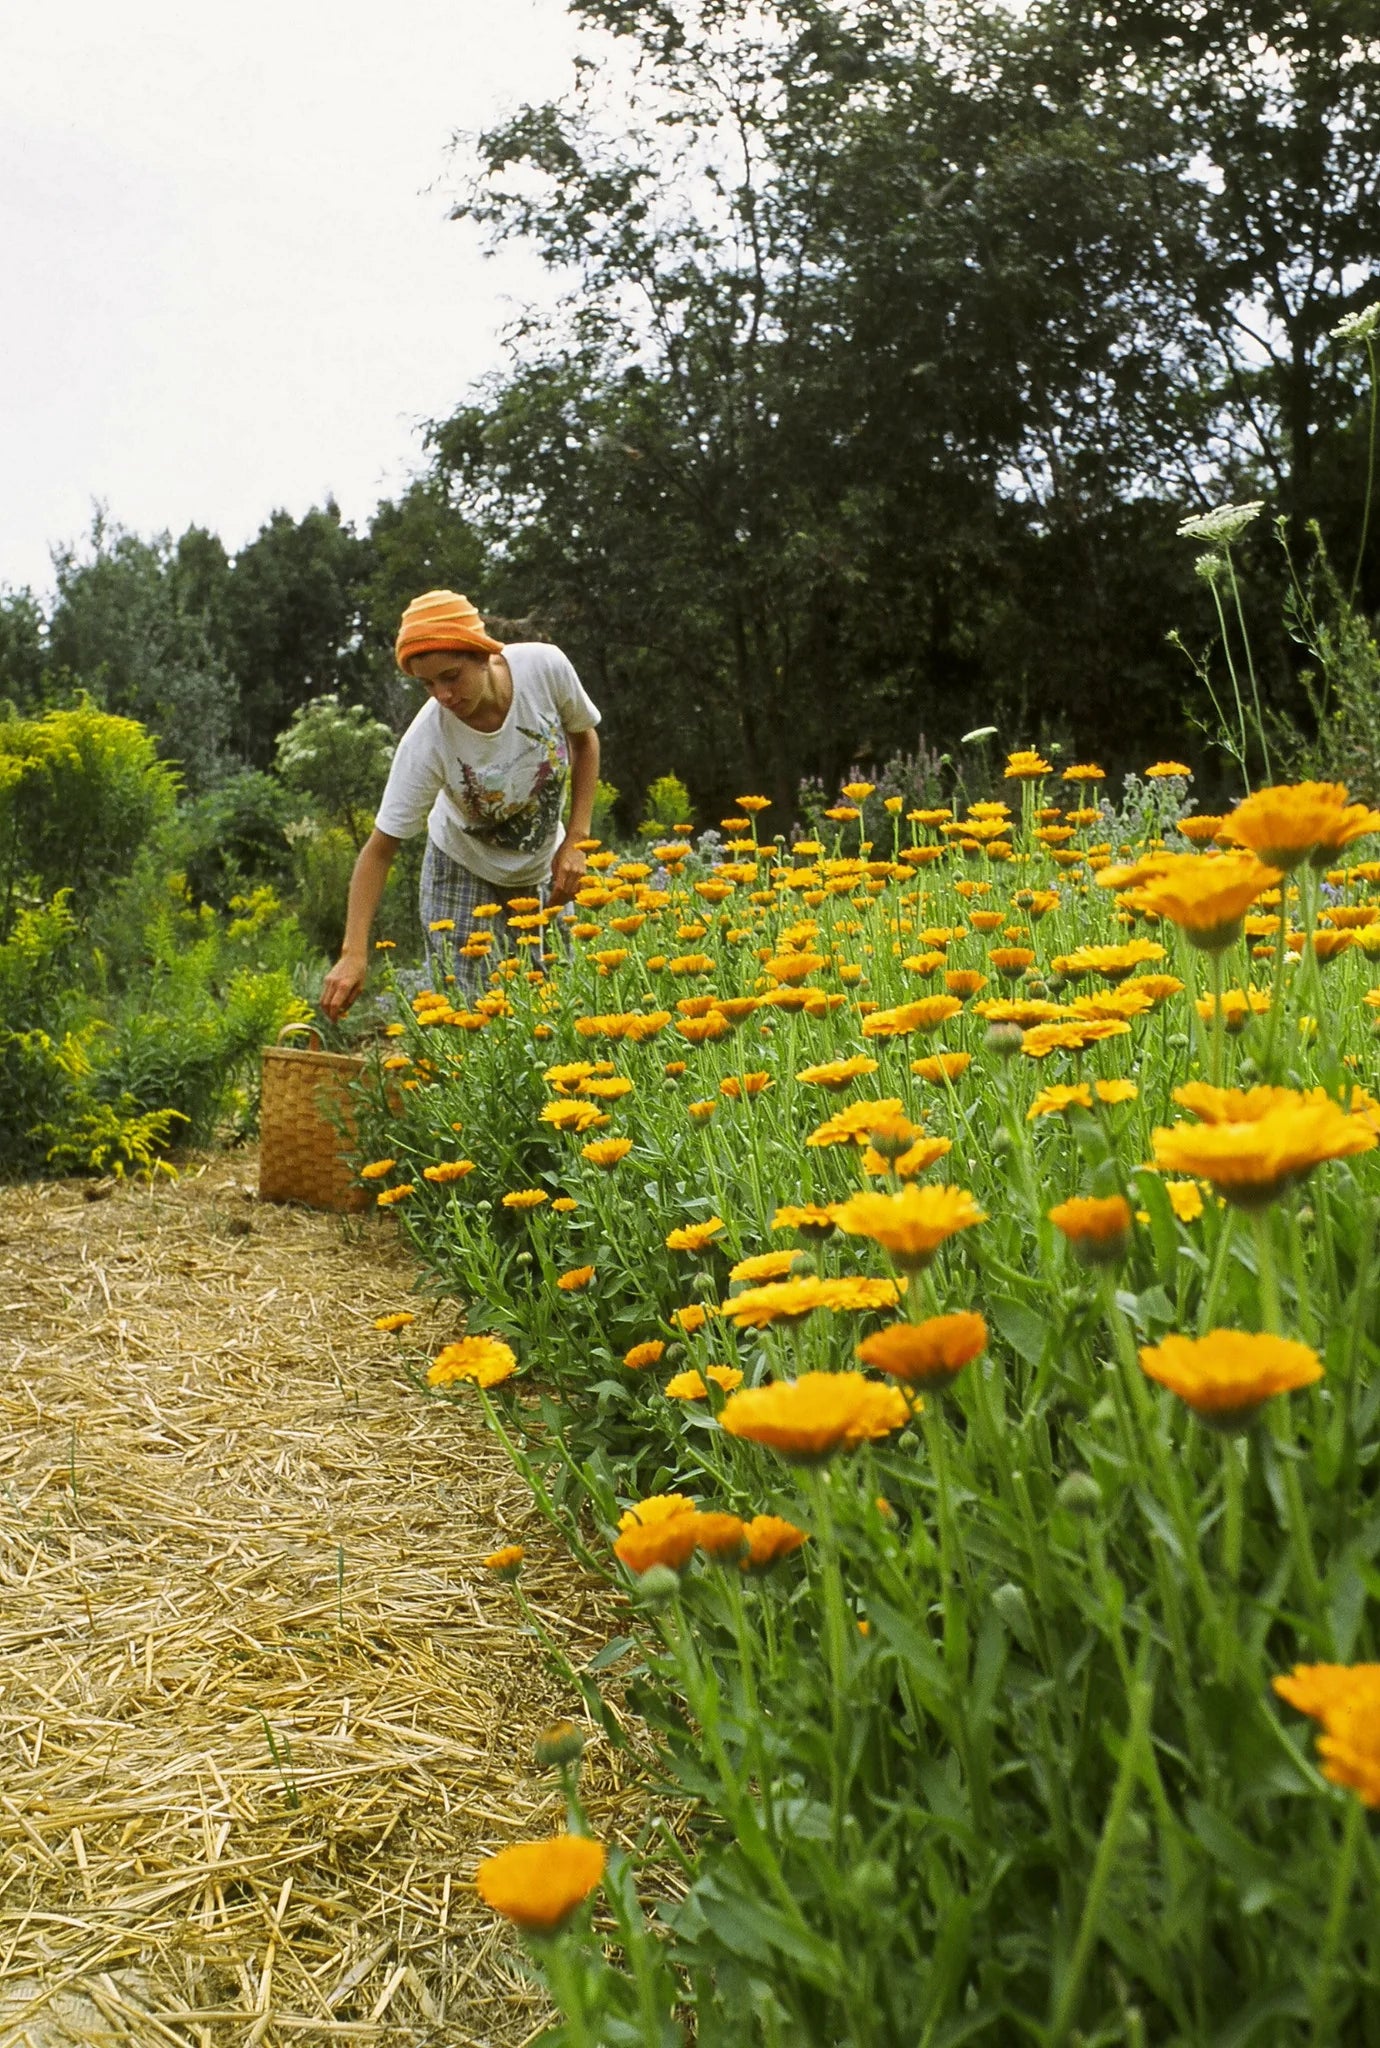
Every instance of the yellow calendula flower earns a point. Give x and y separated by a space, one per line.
837 1074
926 1014
487 1361
1206 895
398 1321
448 1170
1097 1227
695 1237
1295 822
525 1198
690 1386
811 1219
942 1066
377 1169
763 1266
1227 1376
505 1563
852 1126
573 1116
391 1196
910 1226
606 1153
814 1417
1251 1161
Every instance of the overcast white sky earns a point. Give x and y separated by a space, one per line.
224 284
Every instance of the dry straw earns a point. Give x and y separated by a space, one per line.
261 1708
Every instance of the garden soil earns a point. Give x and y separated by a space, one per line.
261 1706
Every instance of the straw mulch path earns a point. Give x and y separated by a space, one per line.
261 1708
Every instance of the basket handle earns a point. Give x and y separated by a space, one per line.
290 1030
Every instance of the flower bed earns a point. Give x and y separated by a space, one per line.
938 1279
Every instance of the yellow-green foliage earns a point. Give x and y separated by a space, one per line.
80 792
667 803
116 1138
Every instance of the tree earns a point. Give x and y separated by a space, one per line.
294 626
338 756
119 631
21 649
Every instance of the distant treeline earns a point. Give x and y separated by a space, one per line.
899 337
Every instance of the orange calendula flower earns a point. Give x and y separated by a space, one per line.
763 1266
525 1198
856 1293
538 1885
398 1321
809 1218
692 1317
694 1237
753 803
1011 961
737 1086
1301 821
853 1125
700 1112
669 1542
447 1171
505 1563
658 1507
927 1014
390 1196
1160 771
769 1538
718 1535
1349 1747
644 1354
608 1088
690 1386
813 1417
963 982
487 1361
1250 1161
700 1030
575 1280
1025 766
564 1205
377 1168
1206 895
606 1153
934 1351
1227 1376
942 1066
1098 1227
1085 771
910 1226
837 1074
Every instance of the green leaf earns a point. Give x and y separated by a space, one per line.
1024 1330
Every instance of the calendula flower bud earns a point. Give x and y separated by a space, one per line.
1080 1494
561 1743
657 1587
1004 1040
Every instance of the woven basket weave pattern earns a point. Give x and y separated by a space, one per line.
300 1146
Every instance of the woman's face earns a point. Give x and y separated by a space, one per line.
456 678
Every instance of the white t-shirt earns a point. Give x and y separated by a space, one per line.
493 800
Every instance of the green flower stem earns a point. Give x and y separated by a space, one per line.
1267 1057
1226 1226
752 1707
1130 1768
1338 1906
1216 964
1263 1233
1250 666
563 1971
1299 1526
836 1644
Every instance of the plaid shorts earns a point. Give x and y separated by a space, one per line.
450 891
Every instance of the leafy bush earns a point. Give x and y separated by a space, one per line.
667 803
337 755
80 793
236 838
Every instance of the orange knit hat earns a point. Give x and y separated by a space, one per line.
438 621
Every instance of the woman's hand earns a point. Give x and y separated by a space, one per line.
343 984
567 873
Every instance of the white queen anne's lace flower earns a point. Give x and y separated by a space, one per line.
1358 326
1223 525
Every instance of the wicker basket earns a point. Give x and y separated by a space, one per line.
306 1094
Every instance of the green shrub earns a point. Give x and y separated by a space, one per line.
80 793
236 838
667 803
337 755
